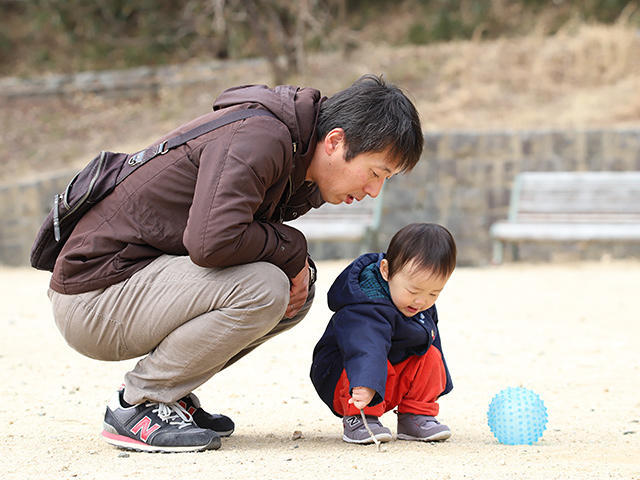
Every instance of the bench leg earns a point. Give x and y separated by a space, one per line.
371 240
515 252
498 252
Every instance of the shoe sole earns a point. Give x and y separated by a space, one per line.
381 437
127 443
436 437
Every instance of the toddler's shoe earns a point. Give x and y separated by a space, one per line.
356 432
423 428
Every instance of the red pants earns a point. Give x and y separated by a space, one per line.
412 385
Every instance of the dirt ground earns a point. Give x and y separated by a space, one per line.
570 332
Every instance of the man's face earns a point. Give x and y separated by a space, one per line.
341 181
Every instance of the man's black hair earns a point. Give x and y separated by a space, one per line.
426 246
374 116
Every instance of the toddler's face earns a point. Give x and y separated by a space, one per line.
413 290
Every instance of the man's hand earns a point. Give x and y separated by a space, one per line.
298 291
361 396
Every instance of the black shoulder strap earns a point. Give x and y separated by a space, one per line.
143 156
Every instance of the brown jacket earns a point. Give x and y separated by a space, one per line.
220 198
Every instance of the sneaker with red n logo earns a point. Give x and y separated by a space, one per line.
155 427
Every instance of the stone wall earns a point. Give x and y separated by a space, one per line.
462 182
23 207
124 83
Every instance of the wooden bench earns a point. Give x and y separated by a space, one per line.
358 222
570 206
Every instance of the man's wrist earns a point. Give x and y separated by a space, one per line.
312 273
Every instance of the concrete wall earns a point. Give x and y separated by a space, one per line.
462 182
23 207
124 83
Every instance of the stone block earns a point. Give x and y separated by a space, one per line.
431 146
594 154
535 145
461 145
28 201
14 254
564 150
498 198
497 145
622 147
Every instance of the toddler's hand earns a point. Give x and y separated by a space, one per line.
361 396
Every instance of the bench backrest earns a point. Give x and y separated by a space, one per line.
342 221
590 197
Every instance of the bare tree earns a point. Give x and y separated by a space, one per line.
274 25
281 29
220 29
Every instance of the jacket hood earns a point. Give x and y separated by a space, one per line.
296 107
346 288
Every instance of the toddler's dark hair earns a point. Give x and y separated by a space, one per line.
426 245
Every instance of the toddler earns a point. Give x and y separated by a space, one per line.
381 349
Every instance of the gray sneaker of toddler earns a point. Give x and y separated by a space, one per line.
356 432
423 428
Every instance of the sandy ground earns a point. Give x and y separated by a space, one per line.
569 332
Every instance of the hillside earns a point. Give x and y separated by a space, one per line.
583 76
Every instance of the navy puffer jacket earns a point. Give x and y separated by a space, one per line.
366 330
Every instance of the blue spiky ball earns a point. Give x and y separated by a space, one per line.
517 416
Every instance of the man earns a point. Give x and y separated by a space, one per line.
187 263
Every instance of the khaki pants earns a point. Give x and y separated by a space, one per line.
189 322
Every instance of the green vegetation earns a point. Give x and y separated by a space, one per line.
69 35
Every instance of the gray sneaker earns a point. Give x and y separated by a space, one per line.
155 427
356 432
423 428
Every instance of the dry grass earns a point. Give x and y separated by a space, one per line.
583 76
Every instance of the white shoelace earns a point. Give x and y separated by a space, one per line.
173 414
